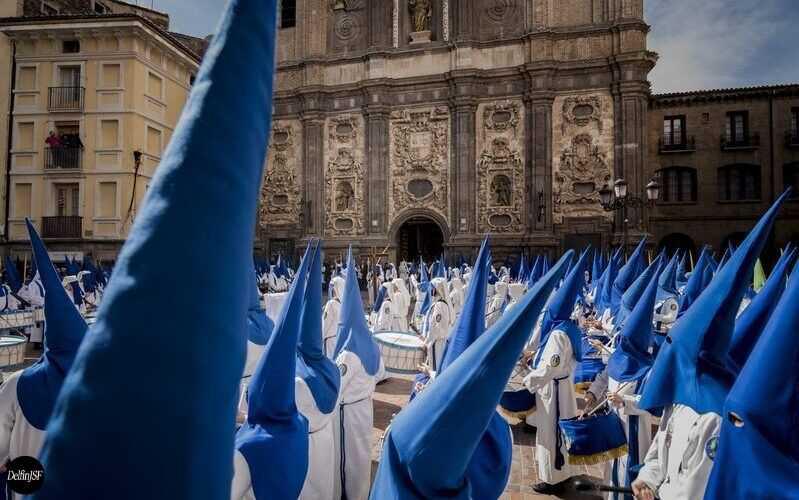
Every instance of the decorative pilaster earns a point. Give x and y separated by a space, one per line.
313 124
377 159
463 181
539 158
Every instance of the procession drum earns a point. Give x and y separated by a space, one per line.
402 353
12 350
595 439
14 320
517 405
586 372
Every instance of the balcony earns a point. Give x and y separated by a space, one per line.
666 145
748 143
63 158
67 99
62 226
792 140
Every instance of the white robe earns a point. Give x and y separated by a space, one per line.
330 318
18 437
435 331
386 320
557 363
494 309
352 429
678 465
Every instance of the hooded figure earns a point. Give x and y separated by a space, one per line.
316 389
515 291
627 275
430 448
271 447
27 398
359 362
176 415
627 368
402 302
331 314
551 378
387 320
696 283
666 305
456 294
498 303
750 324
436 324
690 378
604 295
758 450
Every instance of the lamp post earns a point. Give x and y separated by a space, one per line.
618 199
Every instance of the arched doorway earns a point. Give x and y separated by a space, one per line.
419 236
677 241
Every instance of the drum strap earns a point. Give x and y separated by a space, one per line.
559 460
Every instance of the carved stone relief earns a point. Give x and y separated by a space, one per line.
500 167
419 176
582 160
281 199
344 176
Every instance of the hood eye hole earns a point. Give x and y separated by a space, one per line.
668 339
735 419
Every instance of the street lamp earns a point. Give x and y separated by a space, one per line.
618 199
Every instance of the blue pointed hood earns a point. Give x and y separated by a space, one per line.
353 333
627 275
536 271
757 455
724 258
691 367
12 275
750 324
381 296
596 267
632 360
681 270
177 415
471 322
696 283
634 292
320 374
429 446
667 282
274 438
489 468
64 329
560 308
259 325
605 292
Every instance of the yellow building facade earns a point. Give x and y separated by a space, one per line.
93 103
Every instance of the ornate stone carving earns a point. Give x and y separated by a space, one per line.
281 199
501 11
500 168
421 11
419 176
582 110
583 154
346 28
395 24
344 176
445 20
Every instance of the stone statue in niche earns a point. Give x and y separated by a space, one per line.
421 12
344 196
501 190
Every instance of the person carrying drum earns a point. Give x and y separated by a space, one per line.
551 379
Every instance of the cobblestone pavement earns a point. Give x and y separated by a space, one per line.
392 395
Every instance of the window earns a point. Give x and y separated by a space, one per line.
70 46
25 136
109 133
790 178
108 200
100 8
674 131
288 13
155 86
739 183
67 198
677 184
22 200
153 141
49 10
26 78
111 75
69 76
738 127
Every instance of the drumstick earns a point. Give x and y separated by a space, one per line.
607 398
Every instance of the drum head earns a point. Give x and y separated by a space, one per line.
399 340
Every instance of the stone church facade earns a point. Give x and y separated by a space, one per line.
397 120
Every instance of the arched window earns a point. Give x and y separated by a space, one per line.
790 178
740 182
677 242
677 184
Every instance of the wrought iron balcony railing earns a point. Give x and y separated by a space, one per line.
66 99
62 226
63 158
667 145
752 141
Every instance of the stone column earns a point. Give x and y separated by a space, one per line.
313 149
539 157
380 22
378 166
463 171
462 15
